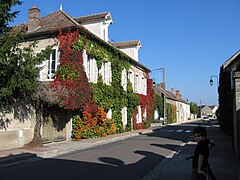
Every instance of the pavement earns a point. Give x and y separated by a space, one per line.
224 164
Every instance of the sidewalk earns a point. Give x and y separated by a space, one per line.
222 160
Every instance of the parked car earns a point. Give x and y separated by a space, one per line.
205 118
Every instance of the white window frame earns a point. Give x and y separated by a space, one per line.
51 72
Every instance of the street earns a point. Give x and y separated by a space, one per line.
129 159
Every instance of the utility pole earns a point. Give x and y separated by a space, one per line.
163 94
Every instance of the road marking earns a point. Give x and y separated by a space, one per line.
179 130
188 131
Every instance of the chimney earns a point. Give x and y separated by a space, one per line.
33 18
172 90
177 94
162 85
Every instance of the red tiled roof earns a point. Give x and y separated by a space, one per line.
55 21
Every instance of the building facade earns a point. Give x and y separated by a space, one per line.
99 57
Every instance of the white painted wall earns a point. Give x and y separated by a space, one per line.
132 52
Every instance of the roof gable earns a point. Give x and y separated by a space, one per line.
231 59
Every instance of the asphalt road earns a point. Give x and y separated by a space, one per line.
129 159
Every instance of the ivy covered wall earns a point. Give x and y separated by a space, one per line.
225 117
171 113
71 74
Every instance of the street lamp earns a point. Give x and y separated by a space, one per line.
211 80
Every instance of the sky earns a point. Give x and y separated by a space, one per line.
190 39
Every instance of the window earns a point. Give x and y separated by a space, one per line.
144 86
124 79
90 66
53 62
106 72
136 83
124 116
139 115
131 78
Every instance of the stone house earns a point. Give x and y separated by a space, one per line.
229 99
209 111
175 99
14 131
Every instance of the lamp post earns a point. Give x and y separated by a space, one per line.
211 80
163 94
164 73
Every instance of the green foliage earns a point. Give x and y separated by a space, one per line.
171 114
158 105
110 96
225 109
19 67
133 101
194 109
6 14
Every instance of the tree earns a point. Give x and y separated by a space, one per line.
19 66
194 109
6 15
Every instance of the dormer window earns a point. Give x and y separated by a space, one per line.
97 24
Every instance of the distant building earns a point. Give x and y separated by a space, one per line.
175 99
209 111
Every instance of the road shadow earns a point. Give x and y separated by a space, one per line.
62 169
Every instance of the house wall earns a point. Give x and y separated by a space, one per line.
132 52
236 115
183 112
206 110
41 45
17 126
100 29
138 79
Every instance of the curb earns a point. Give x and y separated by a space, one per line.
16 159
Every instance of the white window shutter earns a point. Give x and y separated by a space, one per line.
95 69
110 73
85 60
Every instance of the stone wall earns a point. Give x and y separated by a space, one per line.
236 114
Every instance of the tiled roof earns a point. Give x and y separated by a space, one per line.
168 94
91 18
61 20
55 21
126 44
